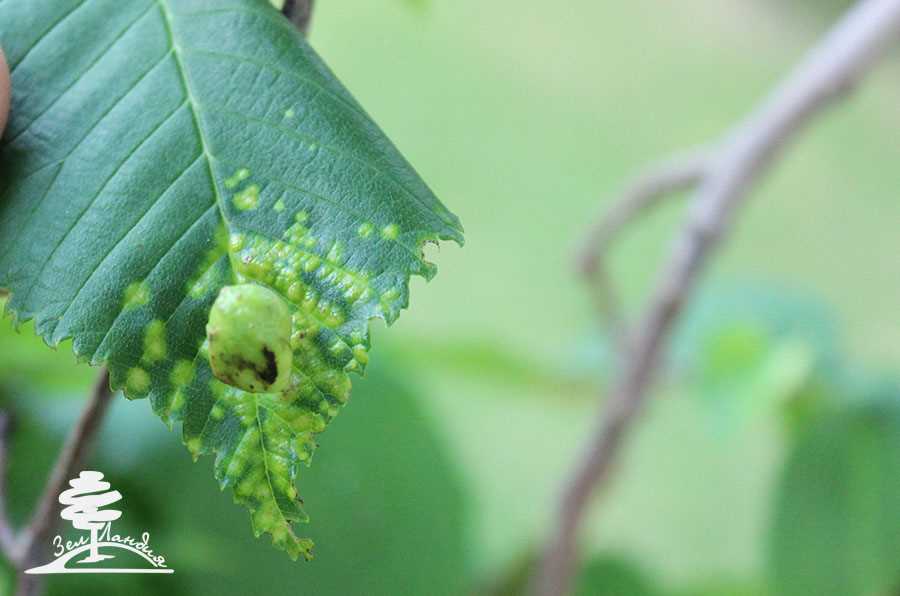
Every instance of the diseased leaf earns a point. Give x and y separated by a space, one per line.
160 150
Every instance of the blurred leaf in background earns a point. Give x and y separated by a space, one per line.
751 349
606 574
836 524
613 576
24 360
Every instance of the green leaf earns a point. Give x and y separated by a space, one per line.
606 574
160 150
610 575
750 348
836 525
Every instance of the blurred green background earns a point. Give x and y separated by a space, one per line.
770 462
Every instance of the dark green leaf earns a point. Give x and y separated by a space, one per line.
613 576
836 528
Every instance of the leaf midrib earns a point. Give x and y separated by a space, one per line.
194 108
208 157
444 219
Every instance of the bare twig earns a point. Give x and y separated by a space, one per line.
607 303
832 68
299 12
7 534
646 191
34 537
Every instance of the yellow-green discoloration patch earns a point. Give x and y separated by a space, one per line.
248 198
177 402
335 253
361 354
137 382
390 232
202 282
217 412
182 373
315 294
289 113
236 178
155 342
136 294
195 446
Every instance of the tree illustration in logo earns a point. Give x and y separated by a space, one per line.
85 502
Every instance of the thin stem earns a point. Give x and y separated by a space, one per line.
830 70
7 534
34 538
646 191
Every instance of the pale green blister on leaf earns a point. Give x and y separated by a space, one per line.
151 161
249 335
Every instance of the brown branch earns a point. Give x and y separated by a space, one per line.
34 538
831 69
299 12
645 192
7 534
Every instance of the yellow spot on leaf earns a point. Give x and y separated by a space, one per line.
201 282
136 294
217 412
238 177
195 446
182 373
365 230
248 198
155 342
137 381
390 232
335 253
360 354
177 402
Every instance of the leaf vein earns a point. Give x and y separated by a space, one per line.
291 75
332 148
128 232
150 274
44 35
77 78
116 171
356 216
